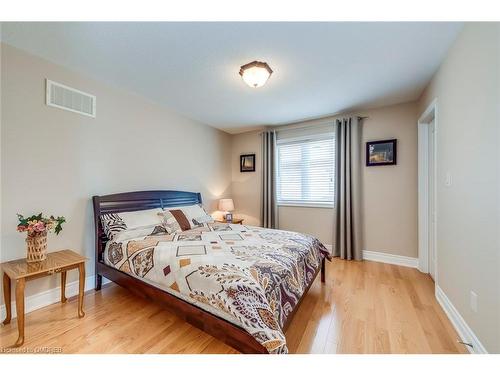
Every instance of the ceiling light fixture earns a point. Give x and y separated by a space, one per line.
256 73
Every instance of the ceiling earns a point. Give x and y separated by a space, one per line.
319 68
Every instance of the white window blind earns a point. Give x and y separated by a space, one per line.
306 171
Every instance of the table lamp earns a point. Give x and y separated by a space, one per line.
227 205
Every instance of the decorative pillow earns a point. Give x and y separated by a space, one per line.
169 222
189 214
205 219
115 223
112 224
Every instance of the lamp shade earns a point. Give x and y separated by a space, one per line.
226 205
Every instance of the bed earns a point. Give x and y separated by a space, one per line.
239 283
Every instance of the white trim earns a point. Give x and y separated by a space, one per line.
398 260
431 113
423 197
305 204
464 331
48 297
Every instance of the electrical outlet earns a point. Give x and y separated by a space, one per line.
473 301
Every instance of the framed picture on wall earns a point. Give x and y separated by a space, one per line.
247 163
381 152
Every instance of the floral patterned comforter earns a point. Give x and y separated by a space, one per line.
250 276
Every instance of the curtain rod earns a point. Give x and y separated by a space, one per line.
291 127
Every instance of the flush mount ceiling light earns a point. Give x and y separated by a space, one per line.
256 73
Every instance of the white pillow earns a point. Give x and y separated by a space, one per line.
152 230
137 219
124 221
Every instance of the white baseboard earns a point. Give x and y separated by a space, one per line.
398 260
464 331
48 297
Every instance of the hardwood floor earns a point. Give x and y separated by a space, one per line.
364 307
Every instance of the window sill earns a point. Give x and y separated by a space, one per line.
310 205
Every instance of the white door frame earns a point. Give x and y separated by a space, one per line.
424 220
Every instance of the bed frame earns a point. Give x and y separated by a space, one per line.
223 330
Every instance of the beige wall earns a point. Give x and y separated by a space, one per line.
247 186
468 143
389 195
54 161
318 222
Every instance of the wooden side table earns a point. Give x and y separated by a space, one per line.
21 271
235 221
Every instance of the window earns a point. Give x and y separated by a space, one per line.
306 171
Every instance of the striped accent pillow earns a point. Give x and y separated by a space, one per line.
181 219
112 224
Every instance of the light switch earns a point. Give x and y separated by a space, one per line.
448 181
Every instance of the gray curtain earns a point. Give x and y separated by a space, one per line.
269 209
347 241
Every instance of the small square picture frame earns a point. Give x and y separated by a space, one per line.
247 163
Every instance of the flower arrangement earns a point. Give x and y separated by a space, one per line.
37 227
37 224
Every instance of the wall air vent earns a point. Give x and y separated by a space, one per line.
70 99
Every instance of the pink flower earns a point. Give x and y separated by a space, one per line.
39 227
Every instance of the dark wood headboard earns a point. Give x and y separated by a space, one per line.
135 201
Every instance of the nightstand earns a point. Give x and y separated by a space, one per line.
235 221
21 271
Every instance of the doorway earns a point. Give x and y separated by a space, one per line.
427 202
